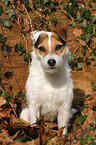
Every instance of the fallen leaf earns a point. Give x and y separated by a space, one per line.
60 131
75 32
53 141
91 118
2 101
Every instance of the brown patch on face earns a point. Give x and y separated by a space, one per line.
57 45
42 42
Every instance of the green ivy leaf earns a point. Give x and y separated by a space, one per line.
80 120
92 58
80 59
87 15
79 67
88 137
5 22
19 49
4 95
87 37
84 24
11 13
79 18
94 64
1 10
89 29
93 85
72 24
89 4
19 52
52 6
21 94
6 2
93 19
45 1
92 127
82 12
94 52
92 143
27 57
72 57
87 60
54 20
2 39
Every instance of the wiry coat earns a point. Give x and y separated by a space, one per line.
48 94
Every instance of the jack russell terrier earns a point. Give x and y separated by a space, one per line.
49 87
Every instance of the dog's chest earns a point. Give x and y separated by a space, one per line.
50 100
50 92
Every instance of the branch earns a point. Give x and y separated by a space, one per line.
28 17
1 89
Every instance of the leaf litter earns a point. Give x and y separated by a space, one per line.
15 131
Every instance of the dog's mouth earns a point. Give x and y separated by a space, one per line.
52 68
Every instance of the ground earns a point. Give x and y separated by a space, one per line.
84 95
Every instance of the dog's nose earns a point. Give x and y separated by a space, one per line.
51 62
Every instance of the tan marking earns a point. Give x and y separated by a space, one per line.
44 43
54 42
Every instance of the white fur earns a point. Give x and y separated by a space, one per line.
49 92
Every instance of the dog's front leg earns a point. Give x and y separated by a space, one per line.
63 117
33 114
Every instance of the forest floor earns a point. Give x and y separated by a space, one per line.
13 130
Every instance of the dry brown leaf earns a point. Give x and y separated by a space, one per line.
76 33
91 118
53 141
2 101
50 125
4 137
60 131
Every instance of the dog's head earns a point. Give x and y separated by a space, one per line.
50 48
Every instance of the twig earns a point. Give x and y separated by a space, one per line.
70 17
17 22
15 135
28 17
12 70
76 49
13 109
1 89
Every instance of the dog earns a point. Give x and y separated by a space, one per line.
49 87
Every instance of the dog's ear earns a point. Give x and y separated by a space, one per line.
62 33
35 34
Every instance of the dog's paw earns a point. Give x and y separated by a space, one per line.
25 114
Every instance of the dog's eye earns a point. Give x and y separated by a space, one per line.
58 47
41 49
